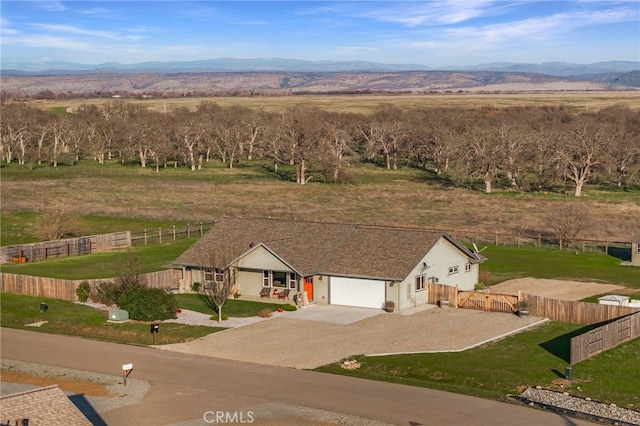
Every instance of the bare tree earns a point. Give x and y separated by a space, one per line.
580 149
568 220
129 272
219 277
56 221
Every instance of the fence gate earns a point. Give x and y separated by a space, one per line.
487 301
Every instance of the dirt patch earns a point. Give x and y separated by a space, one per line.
555 289
78 387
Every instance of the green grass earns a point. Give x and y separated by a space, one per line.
21 227
231 308
73 319
105 264
497 369
509 262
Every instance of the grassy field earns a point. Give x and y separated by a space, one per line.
404 197
106 264
505 367
583 101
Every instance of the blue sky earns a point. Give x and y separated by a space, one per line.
432 33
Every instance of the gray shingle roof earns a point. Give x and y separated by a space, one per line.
323 248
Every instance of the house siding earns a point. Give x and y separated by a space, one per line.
635 254
261 259
438 260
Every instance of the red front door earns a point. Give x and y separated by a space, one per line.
308 287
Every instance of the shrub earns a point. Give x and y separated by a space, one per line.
196 287
265 313
83 291
147 304
289 307
106 293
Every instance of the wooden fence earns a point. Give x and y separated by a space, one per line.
153 236
44 250
482 300
56 288
557 310
605 337
574 312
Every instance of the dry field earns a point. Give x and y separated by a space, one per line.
388 198
582 100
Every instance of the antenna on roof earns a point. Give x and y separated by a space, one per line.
475 248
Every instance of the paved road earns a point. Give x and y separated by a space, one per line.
185 387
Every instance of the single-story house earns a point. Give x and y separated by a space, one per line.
334 263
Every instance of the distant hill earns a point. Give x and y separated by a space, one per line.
298 65
275 75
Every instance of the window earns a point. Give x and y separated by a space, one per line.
292 280
453 270
638 247
217 275
420 282
467 267
266 278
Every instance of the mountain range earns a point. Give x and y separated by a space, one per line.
277 76
297 65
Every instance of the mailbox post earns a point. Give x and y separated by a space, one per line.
126 369
154 328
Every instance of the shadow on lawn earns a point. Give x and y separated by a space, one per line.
561 346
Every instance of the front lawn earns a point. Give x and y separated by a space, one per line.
231 308
496 369
73 319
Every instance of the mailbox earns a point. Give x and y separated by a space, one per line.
155 328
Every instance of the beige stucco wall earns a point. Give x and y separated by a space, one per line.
321 289
635 254
260 259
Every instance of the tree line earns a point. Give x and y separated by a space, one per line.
525 148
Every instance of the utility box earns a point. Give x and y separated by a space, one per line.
118 315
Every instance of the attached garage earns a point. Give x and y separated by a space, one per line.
357 292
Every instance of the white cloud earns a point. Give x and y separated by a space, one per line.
433 13
69 29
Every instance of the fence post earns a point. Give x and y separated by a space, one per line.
606 247
145 237
496 239
159 234
560 243
201 229
174 232
539 240
583 246
518 239
188 230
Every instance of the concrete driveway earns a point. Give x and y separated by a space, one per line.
320 335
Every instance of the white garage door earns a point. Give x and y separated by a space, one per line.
357 292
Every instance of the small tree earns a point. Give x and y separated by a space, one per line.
129 272
56 221
568 220
220 278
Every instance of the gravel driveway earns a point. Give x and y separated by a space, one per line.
300 343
